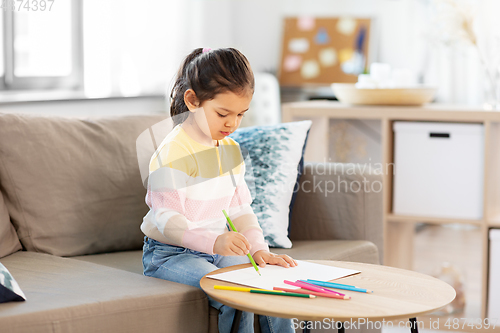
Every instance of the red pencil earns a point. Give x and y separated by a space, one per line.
311 287
299 291
303 283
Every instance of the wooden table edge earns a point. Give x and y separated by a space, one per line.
268 312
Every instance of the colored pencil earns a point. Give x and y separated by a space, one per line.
302 283
312 293
264 291
304 286
332 283
336 286
311 287
248 254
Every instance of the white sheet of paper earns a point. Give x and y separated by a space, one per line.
273 276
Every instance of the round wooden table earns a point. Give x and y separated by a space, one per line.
397 294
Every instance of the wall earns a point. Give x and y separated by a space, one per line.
402 37
131 48
88 107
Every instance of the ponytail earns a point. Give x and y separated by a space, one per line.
208 74
178 109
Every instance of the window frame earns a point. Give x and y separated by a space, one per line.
74 81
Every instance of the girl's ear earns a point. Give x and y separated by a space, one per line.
191 100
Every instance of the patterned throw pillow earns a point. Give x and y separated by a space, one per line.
276 153
9 289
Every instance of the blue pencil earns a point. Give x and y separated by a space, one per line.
333 283
338 286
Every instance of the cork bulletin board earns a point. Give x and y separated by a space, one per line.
323 50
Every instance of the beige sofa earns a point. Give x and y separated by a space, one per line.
71 206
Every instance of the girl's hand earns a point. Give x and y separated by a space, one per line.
265 257
231 244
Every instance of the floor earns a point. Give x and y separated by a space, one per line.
456 249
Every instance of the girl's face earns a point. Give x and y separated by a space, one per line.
222 114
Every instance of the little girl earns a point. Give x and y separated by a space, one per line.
196 172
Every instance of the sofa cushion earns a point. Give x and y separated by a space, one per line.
337 201
67 295
130 261
275 153
9 243
357 251
73 186
341 250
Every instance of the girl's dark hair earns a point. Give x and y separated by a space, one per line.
208 74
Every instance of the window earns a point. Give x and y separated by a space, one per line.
41 44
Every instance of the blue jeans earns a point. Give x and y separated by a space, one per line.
182 265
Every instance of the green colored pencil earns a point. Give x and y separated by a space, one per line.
264 291
248 254
282 294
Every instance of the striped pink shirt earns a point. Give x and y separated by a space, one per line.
189 185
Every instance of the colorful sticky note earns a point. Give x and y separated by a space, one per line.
322 37
306 23
292 62
346 25
345 54
298 45
328 57
310 69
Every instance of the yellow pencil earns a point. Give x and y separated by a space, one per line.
264 291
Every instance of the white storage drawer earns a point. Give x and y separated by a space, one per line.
494 275
438 169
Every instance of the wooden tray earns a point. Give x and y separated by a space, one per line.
348 93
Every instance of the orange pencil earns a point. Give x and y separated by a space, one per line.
299 291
